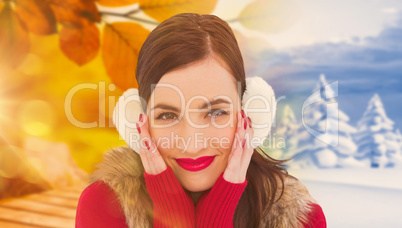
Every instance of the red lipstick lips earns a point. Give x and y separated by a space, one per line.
195 165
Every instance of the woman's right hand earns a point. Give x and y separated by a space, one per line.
150 156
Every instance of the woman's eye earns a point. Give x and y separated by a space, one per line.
166 116
217 112
171 116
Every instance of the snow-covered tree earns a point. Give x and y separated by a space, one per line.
287 129
378 142
394 146
324 138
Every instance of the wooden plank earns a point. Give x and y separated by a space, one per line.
64 193
70 189
39 207
54 208
16 224
53 200
35 219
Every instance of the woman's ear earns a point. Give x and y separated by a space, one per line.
259 104
125 115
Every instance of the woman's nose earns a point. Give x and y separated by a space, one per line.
191 138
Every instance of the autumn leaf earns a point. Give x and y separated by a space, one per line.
270 16
87 9
75 13
162 10
37 16
122 42
14 38
80 45
116 3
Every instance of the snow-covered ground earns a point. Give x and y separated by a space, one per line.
356 197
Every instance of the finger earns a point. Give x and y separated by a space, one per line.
232 172
239 134
143 150
152 160
248 150
243 149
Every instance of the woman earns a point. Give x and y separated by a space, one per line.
191 160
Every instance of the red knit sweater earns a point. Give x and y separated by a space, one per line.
173 207
215 208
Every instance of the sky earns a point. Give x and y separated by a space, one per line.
362 63
322 20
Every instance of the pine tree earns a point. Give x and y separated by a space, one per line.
376 138
325 137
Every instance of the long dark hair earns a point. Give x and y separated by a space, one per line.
184 39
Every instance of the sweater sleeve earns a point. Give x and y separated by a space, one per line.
173 207
316 218
216 208
99 206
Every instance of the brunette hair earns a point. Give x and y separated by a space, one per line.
189 37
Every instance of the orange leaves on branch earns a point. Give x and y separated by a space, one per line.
114 3
37 16
161 10
14 38
80 45
122 42
79 38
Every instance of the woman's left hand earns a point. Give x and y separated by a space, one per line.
240 155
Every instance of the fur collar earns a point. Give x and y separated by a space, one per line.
122 170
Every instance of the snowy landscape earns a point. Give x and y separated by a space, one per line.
325 139
354 172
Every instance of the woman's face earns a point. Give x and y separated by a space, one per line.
182 128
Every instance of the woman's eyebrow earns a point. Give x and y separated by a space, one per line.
203 106
165 106
214 102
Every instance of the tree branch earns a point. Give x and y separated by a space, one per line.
232 20
127 15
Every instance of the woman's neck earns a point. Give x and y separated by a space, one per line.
195 196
